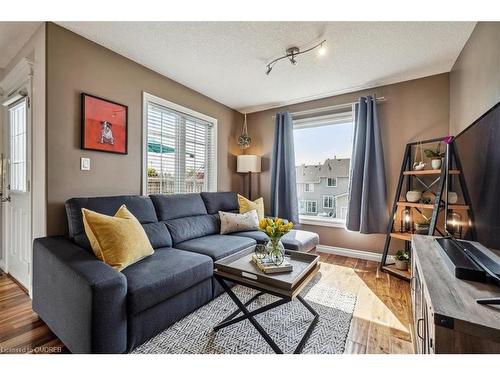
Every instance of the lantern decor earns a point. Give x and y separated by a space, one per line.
244 139
454 225
406 220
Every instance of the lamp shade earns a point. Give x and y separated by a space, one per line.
248 163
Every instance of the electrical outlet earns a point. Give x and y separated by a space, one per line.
85 164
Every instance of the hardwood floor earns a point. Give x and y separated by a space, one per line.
20 329
382 317
381 321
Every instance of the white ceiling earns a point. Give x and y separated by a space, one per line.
226 60
13 36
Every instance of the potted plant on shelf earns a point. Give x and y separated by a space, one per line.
275 229
436 156
402 258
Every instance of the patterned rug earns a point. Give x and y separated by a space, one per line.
286 324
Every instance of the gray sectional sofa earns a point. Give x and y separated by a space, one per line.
93 308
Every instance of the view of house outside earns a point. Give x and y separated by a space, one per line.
322 188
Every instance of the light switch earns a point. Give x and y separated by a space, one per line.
85 164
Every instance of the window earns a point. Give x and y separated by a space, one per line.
18 148
179 149
309 188
331 182
308 207
328 201
323 148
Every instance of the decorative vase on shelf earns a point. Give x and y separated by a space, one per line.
401 264
401 259
413 196
436 163
452 197
418 166
276 251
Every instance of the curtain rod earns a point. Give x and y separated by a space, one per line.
329 108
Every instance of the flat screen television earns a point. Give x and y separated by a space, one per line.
478 148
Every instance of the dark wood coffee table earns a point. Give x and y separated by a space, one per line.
239 268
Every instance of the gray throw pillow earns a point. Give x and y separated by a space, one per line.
230 222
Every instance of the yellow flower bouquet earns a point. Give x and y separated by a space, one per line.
275 229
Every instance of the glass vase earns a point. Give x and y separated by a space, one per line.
276 251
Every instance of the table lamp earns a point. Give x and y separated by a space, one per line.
248 164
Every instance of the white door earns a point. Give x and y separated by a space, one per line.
17 197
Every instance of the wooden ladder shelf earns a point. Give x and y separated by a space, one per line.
442 179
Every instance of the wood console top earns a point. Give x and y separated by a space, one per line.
454 298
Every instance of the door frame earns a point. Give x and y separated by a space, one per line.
30 74
19 85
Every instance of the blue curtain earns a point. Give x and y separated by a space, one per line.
367 208
283 185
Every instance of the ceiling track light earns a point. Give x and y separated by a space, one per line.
291 54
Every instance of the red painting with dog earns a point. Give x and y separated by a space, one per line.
104 125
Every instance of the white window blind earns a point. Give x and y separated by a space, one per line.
180 152
18 148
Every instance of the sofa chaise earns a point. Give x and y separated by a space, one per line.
93 308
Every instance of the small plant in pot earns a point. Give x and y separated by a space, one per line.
402 258
436 156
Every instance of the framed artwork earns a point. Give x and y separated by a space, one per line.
104 125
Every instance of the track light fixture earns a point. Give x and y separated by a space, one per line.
291 54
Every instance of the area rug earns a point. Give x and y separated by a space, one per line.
286 324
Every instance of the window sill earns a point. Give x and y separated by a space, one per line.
308 220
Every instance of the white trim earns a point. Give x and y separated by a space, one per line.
38 131
321 221
342 209
144 164
29 74
341 195
16 77
177 107
147 97
360 254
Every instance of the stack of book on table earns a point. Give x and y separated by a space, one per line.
266 265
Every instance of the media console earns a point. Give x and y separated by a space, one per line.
446 317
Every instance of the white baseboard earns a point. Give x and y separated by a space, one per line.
367 255
2 265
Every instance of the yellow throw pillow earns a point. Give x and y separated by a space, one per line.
118 240
247 205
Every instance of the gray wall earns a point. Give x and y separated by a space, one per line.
417 109
475 77
75 64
